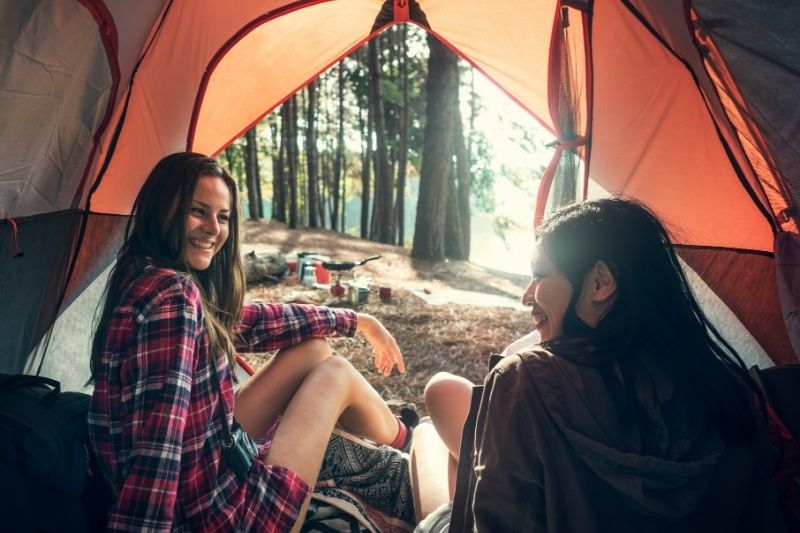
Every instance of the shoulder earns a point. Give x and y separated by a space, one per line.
527 375
532 360
519 372
151 287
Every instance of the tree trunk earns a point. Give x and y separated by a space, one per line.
338 163
382 218
453 239
278 169
251 172
402 155
463 178
366 163
457 246
259 193
229 157
291 156
437 155
311 156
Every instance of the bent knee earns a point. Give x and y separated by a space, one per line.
444 390
444 384
335 367
310 347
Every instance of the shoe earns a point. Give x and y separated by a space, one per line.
407 415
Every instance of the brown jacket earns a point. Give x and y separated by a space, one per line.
551 452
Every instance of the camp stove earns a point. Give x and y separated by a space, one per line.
344 271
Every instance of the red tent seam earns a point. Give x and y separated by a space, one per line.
108 34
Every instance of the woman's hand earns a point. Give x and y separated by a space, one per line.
387 352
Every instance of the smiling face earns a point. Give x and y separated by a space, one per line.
207 224
548 295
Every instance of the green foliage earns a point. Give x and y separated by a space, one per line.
503 225
482 175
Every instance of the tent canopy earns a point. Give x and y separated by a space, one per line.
686 106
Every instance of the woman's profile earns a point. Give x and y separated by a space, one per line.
632 414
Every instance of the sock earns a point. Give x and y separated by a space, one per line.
402 435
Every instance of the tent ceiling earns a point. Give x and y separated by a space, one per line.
53 96
654 139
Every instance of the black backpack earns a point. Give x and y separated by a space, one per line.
49 479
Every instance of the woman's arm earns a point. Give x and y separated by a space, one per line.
387 352
157 397
266 327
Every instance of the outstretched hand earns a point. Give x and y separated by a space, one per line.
387 352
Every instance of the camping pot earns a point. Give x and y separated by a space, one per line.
309 275
341 266
304 259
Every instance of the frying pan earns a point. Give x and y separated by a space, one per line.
341 266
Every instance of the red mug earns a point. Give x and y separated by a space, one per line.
323 275
385 293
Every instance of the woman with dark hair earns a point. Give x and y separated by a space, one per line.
632 414
163 422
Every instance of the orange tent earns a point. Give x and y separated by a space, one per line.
687 106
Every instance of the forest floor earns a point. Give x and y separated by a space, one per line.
453 337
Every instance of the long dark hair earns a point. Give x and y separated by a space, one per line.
655 313
156 233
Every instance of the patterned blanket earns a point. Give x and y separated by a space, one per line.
362 488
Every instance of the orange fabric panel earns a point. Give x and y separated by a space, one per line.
508 41
752 294
670 20
751 139
272 62
165 90
653 139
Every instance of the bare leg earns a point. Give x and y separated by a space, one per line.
265 395
269 393
432 468
435 448
447 398
332 390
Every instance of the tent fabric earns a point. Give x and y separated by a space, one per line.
686 106
760 47
30 285
53 97
742 293
787 259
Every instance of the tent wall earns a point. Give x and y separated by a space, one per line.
751 293
653 139
31 285
760 46
54 93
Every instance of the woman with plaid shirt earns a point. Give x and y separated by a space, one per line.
172 320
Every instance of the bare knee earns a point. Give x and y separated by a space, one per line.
334 373
444 388
312 351
447 398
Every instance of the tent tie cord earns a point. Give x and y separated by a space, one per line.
16 250
397 11
580 5
568 144
785 215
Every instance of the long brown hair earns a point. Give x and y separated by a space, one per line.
156 232
655 314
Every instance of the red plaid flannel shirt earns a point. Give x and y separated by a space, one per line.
154 421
